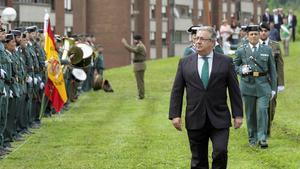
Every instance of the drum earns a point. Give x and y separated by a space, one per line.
79 74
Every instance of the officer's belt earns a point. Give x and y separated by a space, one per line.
138 61
255 74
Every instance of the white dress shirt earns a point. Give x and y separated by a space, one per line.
201 62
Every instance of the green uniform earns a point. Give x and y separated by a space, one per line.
22 121
139 66
29 67
36 94
5 88
219 49
189 50
12 105
256 87
276 51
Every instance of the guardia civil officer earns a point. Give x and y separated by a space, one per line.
255 64
276 51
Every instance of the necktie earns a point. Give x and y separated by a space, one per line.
264 42
254 51
205 73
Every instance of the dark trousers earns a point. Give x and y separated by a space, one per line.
199 146
294 33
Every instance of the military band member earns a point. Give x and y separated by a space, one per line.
255 64
99 60
276 51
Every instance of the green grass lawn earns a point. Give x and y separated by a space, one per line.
114 130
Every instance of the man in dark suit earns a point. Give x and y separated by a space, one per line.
292 20
267 17
206 76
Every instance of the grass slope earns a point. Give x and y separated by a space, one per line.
114 130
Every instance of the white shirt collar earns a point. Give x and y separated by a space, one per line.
210 55
266 41
257 45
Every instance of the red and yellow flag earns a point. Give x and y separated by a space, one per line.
55 88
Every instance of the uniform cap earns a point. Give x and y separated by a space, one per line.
193 29
137 37
15 32
8 38
31 29
253 28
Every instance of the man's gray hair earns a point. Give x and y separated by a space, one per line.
211 30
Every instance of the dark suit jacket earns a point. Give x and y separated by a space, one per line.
266 19
206 103
294 21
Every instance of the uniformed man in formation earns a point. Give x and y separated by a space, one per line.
22 80
255 64
276 51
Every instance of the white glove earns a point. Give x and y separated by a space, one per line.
280 89
39 78
11 94
29 79
46 63
4 92
3 73
42 85
273 94
246 69
35 80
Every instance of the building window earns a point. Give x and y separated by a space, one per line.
152 11
164 38
152 38
68 31
183 11
164 11
68 5
2 2
53 5
181 37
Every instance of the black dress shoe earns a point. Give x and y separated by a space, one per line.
263 144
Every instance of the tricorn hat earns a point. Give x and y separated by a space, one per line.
253 28
193 29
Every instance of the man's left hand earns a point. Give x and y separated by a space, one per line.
238 121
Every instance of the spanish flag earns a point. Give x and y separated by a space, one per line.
55 88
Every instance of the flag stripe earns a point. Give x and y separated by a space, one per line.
55 88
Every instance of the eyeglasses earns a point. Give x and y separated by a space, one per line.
201 39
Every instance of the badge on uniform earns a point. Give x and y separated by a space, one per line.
262 54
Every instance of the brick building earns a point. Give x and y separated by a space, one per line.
162 23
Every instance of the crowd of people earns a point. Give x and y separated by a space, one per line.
282 28
256 57
23 76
